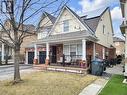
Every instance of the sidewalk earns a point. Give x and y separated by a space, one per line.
95 87
98 85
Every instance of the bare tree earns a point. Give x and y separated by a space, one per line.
19 13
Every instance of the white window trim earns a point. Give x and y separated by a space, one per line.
66 26
70 45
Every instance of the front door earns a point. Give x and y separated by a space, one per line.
42 57
53 55
30 57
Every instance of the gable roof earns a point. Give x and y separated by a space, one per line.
45 14
94 21
90 23
79 18
76 16
51 17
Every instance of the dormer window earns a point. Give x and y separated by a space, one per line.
66 26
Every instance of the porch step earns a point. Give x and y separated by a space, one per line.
40 67
61 69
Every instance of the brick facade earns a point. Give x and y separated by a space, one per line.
99 50
59 51
109 52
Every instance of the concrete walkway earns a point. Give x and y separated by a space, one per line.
96 87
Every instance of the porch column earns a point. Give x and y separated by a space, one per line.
84 50
26 60
2 53
47 54
35 54
125 52
103 52
94 51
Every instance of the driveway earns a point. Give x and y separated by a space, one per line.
7 71
118 69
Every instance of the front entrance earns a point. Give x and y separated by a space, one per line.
42 57
30 57
53 54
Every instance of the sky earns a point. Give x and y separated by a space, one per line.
85 6
82 7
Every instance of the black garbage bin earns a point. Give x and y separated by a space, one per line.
97 67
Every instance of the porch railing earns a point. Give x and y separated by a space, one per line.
69 60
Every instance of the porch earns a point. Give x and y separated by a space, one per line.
66 54
75 49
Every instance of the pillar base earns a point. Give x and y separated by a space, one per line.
35 61
47 61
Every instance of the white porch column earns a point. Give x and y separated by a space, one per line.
35 51
2 53
84 50
94 51
103 53
35 54
47 50
26 60
47 54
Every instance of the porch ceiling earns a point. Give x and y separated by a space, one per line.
79 35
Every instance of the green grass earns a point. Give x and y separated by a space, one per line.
47 83
115 86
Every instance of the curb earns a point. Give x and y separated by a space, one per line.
12 65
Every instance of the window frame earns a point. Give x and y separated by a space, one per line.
66 26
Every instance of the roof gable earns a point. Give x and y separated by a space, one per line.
83 24
49 16
92 22
52 18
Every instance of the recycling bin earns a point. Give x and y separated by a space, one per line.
97 67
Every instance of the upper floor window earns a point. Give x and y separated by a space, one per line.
65 25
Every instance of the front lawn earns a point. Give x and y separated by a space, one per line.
47 83
115 86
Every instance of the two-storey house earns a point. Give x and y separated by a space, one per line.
78 38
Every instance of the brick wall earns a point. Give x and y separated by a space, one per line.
59 51
99 50
111 51
89 52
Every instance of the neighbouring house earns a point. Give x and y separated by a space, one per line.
7 50
123 28
79 38
119 45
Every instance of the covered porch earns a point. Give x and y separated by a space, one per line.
71 49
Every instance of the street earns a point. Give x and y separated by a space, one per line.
7 72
